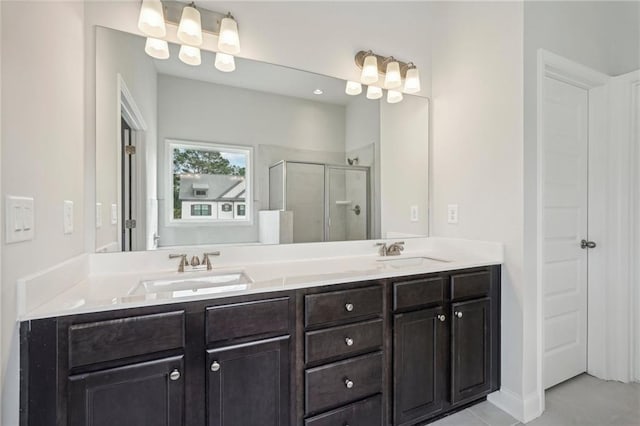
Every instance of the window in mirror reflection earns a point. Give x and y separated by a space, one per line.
210 183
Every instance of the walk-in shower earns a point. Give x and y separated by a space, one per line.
328 202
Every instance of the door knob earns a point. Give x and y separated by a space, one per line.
349 307
348 341
215 366
174 375
458 314
348 383
584 244
442 318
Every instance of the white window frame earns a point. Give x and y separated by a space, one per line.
170 145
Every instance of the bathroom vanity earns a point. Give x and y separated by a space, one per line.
399 350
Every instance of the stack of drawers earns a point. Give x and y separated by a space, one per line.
343 357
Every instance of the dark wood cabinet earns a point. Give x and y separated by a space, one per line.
420 348
144 394
248 384
470 349
392 352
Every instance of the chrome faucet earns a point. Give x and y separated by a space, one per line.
183 261
392 249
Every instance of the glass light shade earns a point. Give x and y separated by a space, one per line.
229 39
353 88
369 70
151 19
412 81
374 92
392 78
190 55
190 28
393 96
224 62
156 48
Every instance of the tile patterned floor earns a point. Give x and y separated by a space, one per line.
581 401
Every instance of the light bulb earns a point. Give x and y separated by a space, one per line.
156 48
190 28
392 78
353 88
190 55
224 62
151 19
393 96
374 92
369 70
412 81
229 39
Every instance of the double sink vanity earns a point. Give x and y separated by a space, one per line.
316 339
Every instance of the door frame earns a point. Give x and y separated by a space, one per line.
562 69
128 109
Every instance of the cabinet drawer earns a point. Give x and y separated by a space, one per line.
120 338
474 284
408 294
342 305
347 339
363 413
336 384
251 319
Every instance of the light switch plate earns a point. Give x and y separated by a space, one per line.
452 213
414 213
68 217
19 219
114 214
98 215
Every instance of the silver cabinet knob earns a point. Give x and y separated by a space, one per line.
348 341
458 314
174 375
442 318
349 307
348 383
215 366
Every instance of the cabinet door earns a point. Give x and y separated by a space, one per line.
470 349
145 394
248 384
420 350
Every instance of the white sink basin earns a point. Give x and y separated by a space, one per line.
411 262
194 284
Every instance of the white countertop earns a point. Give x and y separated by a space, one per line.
106 287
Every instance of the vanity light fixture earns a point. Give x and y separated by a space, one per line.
157 48
151 19
190 28
190 55
191 24
393 96
228 38
392 72
374 92
225 62
392 77
353 88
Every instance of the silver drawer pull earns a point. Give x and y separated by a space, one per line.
348 383
442 318
458 314
174 375
349 307
215 366
348 341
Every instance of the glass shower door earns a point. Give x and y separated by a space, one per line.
347 206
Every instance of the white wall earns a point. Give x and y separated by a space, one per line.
404 167
477 146
198 111
42 150
120 53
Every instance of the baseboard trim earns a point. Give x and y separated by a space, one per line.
521 409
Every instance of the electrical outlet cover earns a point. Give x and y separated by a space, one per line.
114 214
19 219
98 215
68 217
452 213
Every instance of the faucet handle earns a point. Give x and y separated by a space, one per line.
207 261
383 248
183 261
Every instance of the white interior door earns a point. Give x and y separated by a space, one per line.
564 225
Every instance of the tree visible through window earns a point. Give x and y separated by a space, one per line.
212 173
